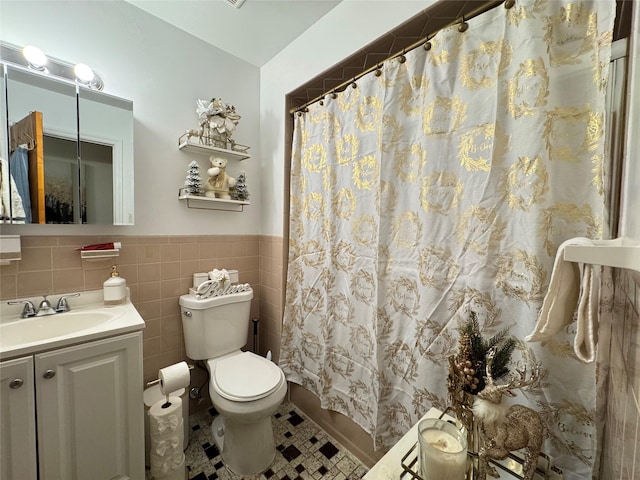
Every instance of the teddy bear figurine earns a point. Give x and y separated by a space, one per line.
219 182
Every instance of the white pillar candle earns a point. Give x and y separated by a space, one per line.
443 450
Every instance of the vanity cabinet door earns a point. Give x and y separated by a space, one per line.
17 420
90 410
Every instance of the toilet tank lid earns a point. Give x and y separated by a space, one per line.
246 375
194 303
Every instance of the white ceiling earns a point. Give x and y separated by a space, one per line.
255 32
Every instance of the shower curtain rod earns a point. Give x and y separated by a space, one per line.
462 28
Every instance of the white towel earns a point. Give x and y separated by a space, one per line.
11 205
572 287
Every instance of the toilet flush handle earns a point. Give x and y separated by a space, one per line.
186 313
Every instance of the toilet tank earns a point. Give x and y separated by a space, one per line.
215 326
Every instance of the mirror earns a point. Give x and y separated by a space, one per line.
70 152
106 153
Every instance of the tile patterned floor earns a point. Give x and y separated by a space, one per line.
305 451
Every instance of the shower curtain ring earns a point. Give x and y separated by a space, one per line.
464 26
379 70
402 58
334 95
509 4
427 45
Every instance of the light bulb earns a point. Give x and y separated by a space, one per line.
84 73
36 57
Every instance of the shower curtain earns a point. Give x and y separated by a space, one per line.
440 185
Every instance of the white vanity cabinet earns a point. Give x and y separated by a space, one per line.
17 420
89 411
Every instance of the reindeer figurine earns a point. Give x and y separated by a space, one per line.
506 429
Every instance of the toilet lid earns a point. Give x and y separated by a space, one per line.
246 377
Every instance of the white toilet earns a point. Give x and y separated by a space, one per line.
245 389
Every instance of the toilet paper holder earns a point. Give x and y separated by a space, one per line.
157 380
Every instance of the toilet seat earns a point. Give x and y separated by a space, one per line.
246 377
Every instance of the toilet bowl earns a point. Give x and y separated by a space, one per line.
246 390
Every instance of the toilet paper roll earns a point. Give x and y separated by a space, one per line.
167 443
174 377
166 466
199 278
166 434
165 419
178 474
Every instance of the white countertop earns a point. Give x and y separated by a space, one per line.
123 318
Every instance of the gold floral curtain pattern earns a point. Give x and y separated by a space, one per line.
445 184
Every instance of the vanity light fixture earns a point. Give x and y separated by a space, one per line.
36 59
83 72
33 58
86 76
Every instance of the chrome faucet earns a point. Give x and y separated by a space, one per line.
62 305
29 309
45 307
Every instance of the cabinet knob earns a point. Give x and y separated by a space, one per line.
49 374
16 383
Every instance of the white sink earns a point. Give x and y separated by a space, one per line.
35 329
88 320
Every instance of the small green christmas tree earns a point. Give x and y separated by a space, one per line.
193 181
240 191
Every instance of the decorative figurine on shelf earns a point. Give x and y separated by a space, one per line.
240 192
506 429
226 119
193 183
466 369
217 122
466 377
219 182
196 133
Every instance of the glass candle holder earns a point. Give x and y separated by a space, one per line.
443 450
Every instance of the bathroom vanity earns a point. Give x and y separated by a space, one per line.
72 402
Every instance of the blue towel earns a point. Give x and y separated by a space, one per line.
19 168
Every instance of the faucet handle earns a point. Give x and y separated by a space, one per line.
62 305
29 309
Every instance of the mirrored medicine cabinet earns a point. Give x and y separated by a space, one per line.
67 152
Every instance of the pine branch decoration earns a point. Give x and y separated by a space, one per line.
473 348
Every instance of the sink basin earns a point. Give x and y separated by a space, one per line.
88 320
35 329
